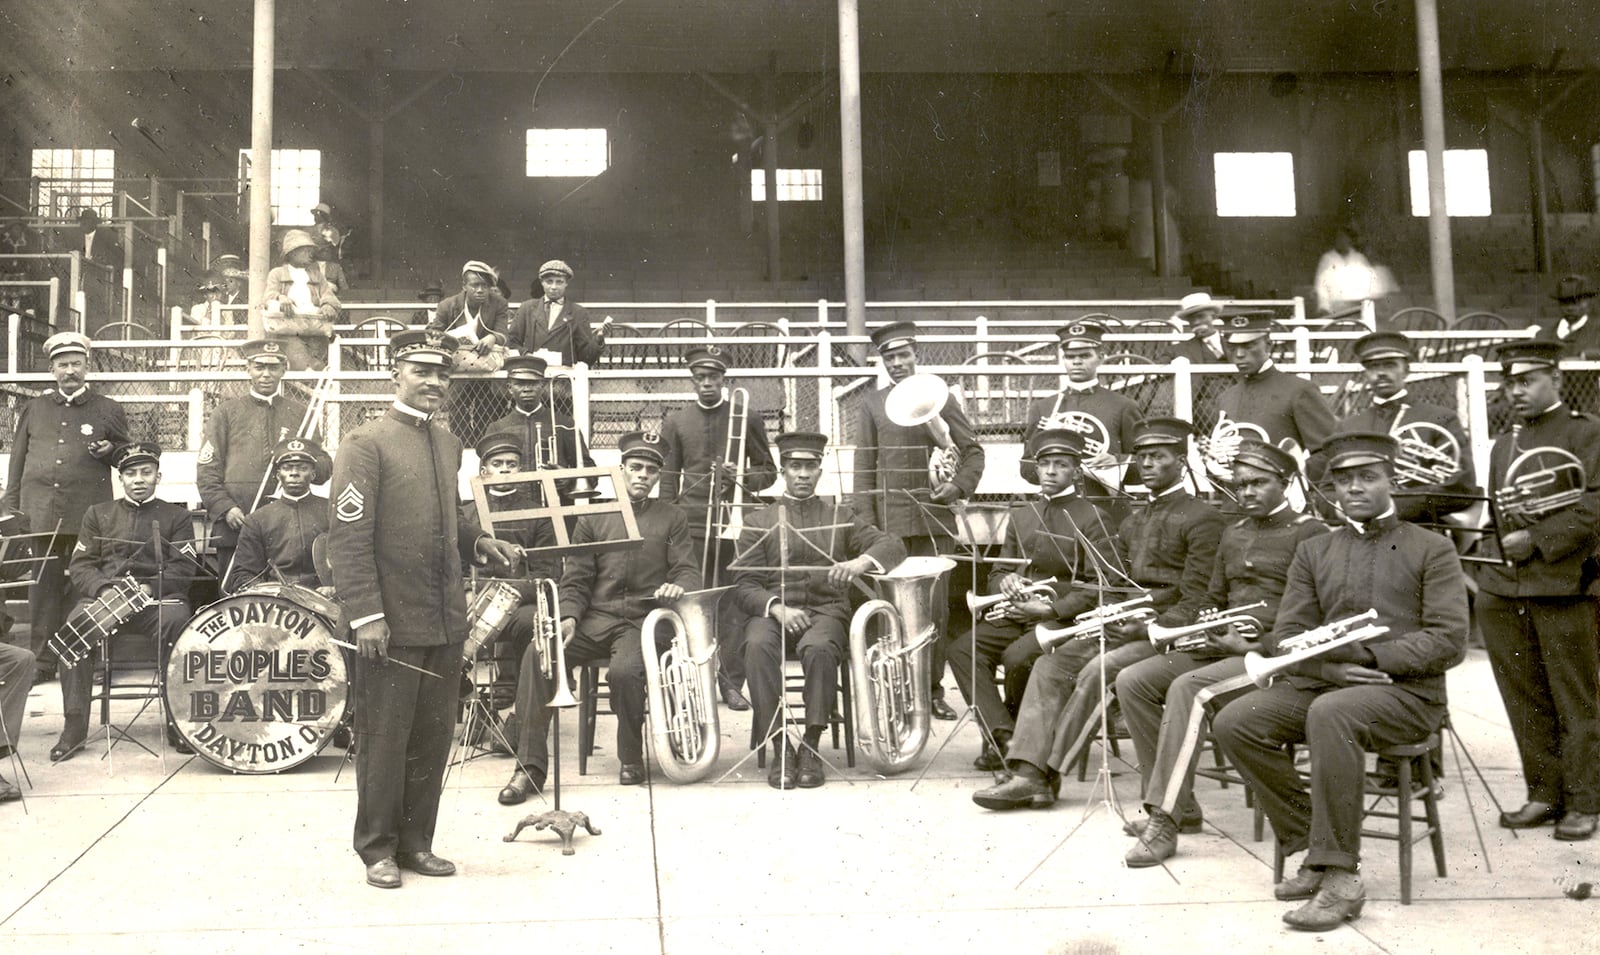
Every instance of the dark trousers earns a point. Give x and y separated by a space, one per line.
49 599
1547 664
404 722
16 679
620 646
1340 724
820 648
974 659
730 619
164 620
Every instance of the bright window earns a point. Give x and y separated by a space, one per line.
1255 184
1466 182
794 185
74 179
296 183
568 152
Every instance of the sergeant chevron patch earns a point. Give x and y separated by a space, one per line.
351 505
208 453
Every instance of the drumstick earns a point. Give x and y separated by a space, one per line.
401 663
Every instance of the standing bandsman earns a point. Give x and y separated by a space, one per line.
540 426
1537 610
60 464
1106 419
696 438
1281 405
893 489
551 323
1385 691
806 611
241 434
275 540
396 548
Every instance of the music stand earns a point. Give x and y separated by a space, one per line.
17 551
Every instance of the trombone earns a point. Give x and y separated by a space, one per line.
727 518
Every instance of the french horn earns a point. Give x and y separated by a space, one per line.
1429 454
1221 446
1539 482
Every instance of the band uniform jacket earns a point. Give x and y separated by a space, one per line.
494 315
1563 562
118 538
819 533
530 534
1118 415
573 336
1253 558
604 589
1410 575
275 543
396 542
1065 537
694 438
535 427
237 454
1172 551
52 474
1283 405
1421 502
891 468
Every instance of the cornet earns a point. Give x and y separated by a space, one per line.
1194 636
893 697
997 605
1312 643
1538 482
552 649
918 399
1429 454
1089 623
681 683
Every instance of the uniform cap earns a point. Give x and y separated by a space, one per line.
801 445
1241 327
307 450
1082 334
1267 457
1519 357
66 343
641 444
894 335
137 452
499 442
526 367
423 347
1155 432
708 356
269 350
1055 441
1379 345
1351 449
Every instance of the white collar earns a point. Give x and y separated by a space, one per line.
75 395
1067 491
527 414
404 408
1361 528
1175 488
1081 387
266 399
705 407
292 498
1392 398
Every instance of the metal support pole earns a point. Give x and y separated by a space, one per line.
1432 84
855 231
377 101
261 79
769 155
1158 196
1536 190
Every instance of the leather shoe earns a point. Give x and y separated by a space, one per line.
73 737
384 874
1021 791
940 709
1339 900
425 863
521 786
631 774
1302 885
9 791
731 696
178 743
1577 826
785 770
993 757
1157 844
811 774
1532 815
1187 825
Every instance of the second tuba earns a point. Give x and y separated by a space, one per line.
892 696
681 685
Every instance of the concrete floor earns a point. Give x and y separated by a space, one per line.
144 854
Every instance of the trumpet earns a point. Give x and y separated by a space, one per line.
552 649
893 702
1429 454
680 684
1540 481
996 605
919 399
1312 643
1089 623
1194 636
1219 448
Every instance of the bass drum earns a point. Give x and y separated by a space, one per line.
255 682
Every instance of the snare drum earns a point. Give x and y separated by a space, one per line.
487 616
255 682
95 621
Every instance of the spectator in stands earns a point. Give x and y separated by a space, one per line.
300 305
1344 276
208 311
18 239
235 289
551 323
1200 312
330 238
1576 328
98 245
430 295
475 320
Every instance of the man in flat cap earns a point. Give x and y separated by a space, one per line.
551 323
143 537
61 464
234 469
396 546
429 295
274 542
1537 610
1106 419
1349 699
805 611
301 303
1284 407
696 439
550 437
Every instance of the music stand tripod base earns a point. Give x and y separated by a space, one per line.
562 822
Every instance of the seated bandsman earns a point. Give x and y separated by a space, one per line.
275 541
548 438
807 610
1059 535
1106 419
16 679
121 538
1420 495
1385 691
604 599
1161 698
1171 544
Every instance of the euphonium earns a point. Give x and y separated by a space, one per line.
996 605
1429 454
1090 622
1312 643
1193 637
918 399
681 685
1539 481
892 693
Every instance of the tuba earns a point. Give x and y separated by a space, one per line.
681 685
1539 482
1429 453
892 701
1193 637
919 399
1312 643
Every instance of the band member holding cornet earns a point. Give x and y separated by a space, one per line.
1284 407
1057 537
1172 547
1353 697
894 489
1433 472
1537 610
1106 419
698 441
550 438
806 609
1159 695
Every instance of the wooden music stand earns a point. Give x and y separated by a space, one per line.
555 515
